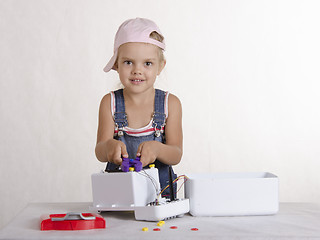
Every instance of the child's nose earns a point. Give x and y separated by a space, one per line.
137 69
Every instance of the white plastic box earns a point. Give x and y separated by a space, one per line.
124 190
232 194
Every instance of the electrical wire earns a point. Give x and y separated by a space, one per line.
177 179
185 179
153 181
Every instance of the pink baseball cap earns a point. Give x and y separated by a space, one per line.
134 30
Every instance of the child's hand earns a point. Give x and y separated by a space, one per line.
148 152
115 149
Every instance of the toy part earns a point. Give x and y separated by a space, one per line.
73 216
165 211
160 223
72 221
128 163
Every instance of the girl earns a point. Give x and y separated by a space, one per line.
139 120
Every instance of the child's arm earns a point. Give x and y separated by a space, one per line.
171 152
107 148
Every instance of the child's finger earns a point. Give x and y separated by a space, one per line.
143 160
143 157
117 156
118 152
139 150
124 152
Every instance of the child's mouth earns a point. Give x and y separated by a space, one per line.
136 81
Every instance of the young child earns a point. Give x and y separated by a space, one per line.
139 120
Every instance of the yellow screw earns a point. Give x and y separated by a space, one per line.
145 229
131 169
151 165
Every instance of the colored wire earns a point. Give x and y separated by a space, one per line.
153 181
185 179
177 179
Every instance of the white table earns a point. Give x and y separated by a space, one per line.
294 221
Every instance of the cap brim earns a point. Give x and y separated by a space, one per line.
111 63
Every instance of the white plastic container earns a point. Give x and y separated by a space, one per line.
124 190
162 212
232 194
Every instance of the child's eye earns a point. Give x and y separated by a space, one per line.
127 62
148 64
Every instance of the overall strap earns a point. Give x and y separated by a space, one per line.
120 117
159 116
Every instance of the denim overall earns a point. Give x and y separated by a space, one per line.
132 142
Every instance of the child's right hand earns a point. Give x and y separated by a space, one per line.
115 149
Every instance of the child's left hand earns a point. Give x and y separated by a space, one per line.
148 152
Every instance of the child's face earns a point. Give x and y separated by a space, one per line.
138 65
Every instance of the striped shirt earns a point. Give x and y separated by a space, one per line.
144 131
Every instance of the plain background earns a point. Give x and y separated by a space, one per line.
246 71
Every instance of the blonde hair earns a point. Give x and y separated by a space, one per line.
156 36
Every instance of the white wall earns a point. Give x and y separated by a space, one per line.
247 73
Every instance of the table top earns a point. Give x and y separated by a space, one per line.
293 221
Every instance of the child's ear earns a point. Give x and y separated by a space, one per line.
162 65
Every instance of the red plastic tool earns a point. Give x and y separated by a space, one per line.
72 221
